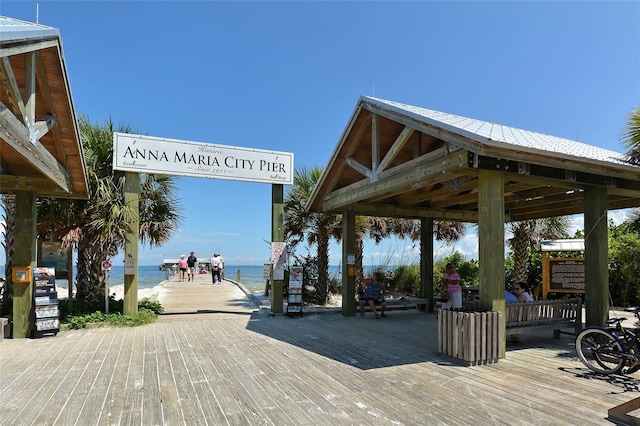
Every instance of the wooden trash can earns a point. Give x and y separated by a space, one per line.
474 337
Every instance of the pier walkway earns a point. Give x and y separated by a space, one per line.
215 358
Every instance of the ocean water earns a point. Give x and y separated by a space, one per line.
251 276
150 276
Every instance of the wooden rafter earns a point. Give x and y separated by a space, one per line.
410 212
340 165
393 181
17 136
375 148
400 141
43 83
456 141
11 86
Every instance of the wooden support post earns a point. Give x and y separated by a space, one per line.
348 271
24 255
131 191
491 243
277 235
491 239
426 261
70 279
596 256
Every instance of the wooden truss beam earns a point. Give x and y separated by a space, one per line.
16 135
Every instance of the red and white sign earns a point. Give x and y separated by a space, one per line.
106 265
278 249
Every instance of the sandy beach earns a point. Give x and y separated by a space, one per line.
118 291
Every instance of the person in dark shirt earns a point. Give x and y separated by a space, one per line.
191 266
374 295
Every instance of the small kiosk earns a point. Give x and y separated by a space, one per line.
46 302
294 295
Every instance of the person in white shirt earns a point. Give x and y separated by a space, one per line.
216 267
221 265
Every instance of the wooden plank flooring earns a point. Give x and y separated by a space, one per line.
215 359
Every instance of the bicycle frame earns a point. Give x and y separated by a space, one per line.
624 337
607 349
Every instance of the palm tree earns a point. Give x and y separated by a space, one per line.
318 228
527 234
97 227
448 231
631 140
375 228
631 136
378 228
315 228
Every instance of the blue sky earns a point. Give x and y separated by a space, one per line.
286 76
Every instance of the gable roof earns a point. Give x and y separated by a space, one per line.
498 135
40 148
401 160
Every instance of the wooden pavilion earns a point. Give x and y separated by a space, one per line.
40 150
399 160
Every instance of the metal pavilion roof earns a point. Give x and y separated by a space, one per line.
488 133
40 147
12 29
401 160
576 244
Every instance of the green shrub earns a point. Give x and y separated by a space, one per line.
144 316
148 311
75 322
150 305
405 279
467 269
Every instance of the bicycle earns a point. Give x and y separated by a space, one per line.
607 350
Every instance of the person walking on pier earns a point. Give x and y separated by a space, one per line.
221 259
191 265
182 265
216 267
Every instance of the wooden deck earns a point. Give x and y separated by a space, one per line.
214 358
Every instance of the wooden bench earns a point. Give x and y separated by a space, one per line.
553 314
396 304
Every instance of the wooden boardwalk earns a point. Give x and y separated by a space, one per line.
215 359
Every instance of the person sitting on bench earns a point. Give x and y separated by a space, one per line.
374 295
522 292
510 297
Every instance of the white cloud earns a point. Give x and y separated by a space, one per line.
618 216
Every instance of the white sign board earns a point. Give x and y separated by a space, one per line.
130 266
146 154
266 271
278 271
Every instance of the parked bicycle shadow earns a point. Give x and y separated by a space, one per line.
626 383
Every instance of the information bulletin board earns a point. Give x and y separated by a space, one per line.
566 275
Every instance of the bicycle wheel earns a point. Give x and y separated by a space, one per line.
600 351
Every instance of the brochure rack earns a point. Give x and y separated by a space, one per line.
294 296
46 303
